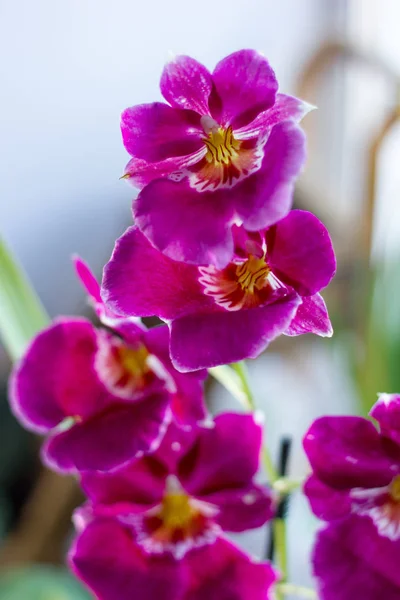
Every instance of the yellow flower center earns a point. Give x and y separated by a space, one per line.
227 159
176 510
222 147
134 361
124 370
394 489
245 285
253 274
178 523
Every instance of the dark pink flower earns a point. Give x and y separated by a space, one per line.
101 398
219 316
113 567
150 523
227 149
355 486
352 560
356 468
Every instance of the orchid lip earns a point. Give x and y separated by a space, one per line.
176 525
126 371
382 505
243 284
227 160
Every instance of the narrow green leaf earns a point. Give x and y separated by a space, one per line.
21 312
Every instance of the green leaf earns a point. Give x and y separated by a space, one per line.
41 583
21 312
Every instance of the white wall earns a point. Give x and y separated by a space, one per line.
68 68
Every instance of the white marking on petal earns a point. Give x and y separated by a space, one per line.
173 485
385 398
377 504
177 176
249 499
208 124
208 424
161 372
384 522
368 493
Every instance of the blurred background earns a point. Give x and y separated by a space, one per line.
67 69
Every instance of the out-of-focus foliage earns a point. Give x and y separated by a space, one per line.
376 355
21 314
40 583
18 466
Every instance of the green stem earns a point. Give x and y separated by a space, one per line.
235 379
231 382
240 369
279 529
284 486
279 525
296 590
21 312
269 466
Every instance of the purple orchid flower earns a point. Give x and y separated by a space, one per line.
227 149
102 399
356 468
222 316
355 487
105 558
352 560
155 526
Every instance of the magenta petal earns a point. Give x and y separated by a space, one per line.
266 196
154 132
109 439
209 467
110 564
56 378
92 287
351 561
311 317
105 558
222 571
140 172
300 252
347 452
206 340
285 108
246 85
141 281
386 411
242 508
187 402
186 225
140 482
87 278
327 503
186 83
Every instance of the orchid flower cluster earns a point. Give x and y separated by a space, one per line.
218 254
